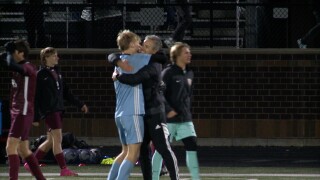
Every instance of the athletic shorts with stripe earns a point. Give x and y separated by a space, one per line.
130 129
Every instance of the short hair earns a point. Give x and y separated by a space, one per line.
46 52
157 46
22 46
124 39
176 50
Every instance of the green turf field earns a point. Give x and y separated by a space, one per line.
207 173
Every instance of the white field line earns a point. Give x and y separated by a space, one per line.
184 175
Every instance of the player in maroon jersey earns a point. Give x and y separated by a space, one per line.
21 108
51 92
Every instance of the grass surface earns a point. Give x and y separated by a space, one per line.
207 173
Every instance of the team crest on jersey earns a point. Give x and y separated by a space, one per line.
14 84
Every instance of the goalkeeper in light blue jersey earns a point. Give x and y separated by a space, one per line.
129 104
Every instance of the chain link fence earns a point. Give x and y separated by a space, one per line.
95 24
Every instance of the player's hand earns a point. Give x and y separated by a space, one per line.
125 65
35 124
85 109
171 114
114 75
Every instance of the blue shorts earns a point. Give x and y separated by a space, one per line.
130 129
182 130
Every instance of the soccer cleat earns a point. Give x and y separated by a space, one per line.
301 45
169 42
67 172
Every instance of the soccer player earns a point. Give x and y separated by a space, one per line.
22 108
129 106
154 119
50 93
178 80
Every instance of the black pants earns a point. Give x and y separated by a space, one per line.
157 132
184 20
315 30
34 21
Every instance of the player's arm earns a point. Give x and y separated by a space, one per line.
37 98
166 76
115 59
142 75
7 60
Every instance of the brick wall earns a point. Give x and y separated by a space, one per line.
238 93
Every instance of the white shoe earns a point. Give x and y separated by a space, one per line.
301 45
169 42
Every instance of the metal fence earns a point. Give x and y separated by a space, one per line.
232 24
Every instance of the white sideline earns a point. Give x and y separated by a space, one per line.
183 175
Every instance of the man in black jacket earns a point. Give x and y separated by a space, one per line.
178 80
154 120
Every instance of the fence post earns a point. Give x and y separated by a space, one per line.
237 24
211 24
0 117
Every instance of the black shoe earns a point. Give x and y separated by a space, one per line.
163 171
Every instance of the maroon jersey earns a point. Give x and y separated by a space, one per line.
23 90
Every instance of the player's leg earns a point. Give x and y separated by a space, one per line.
44 147
187 134
159 135
13 157
26 154
13 141
58 153
42 150
145 153
24 150
134 129
113 173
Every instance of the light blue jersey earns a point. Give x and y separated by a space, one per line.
130 100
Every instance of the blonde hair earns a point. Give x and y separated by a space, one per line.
126 37
46 52
176 50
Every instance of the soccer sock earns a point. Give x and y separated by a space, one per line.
156 165
125 169
34 167
193 165
61 161
14 163
113 173
39 154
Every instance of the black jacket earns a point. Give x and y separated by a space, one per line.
149 76
178 92
51 92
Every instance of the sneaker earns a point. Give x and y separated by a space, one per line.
301 45
169 42
67 172
27 168
163 171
